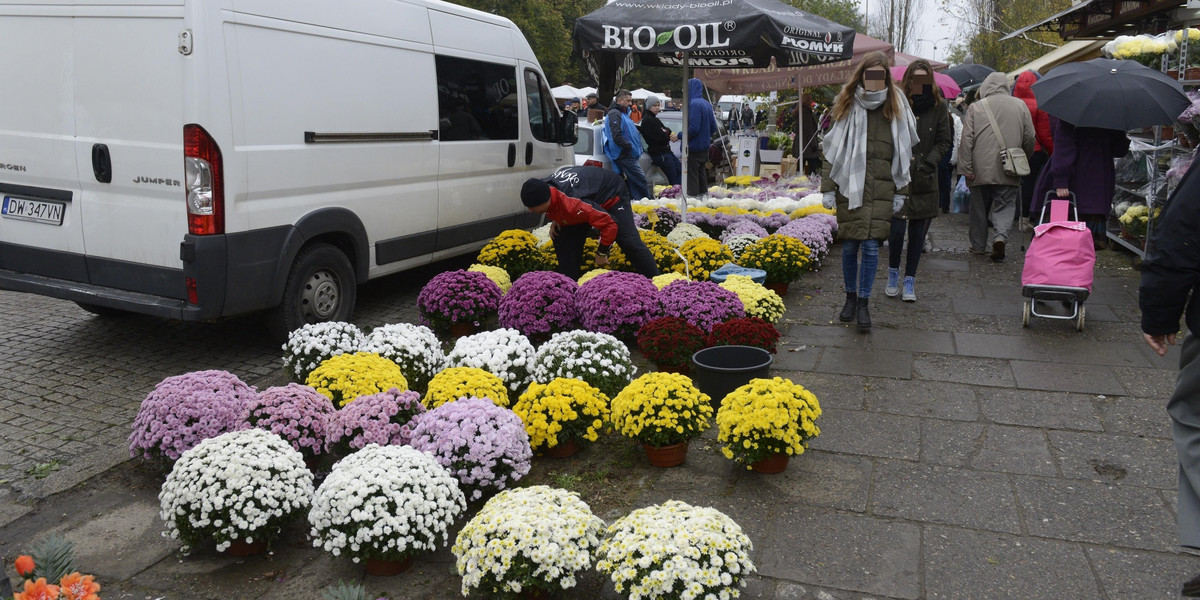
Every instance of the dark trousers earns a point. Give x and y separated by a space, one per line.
669 163
568 246
945 183
1036 163
1184 409
697 181
916 243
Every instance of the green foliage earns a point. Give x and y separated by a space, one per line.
344 591
1006 16
53 557
845 12
547 25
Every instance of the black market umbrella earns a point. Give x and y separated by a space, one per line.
1112 94
712 34
969 75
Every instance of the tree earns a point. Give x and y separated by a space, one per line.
844 12
547 25
991 20
897 23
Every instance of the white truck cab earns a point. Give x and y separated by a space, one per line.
198 159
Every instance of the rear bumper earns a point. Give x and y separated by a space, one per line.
137 302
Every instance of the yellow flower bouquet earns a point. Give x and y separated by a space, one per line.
516 251
767 417
756 299
464 382
496 274
703 256
783 258
661 409
561 411
345 377
663 250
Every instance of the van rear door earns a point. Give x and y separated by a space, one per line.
41 230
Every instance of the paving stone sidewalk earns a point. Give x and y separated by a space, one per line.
961 455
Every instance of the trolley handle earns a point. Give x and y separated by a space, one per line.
1048 199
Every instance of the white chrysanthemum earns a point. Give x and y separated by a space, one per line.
537 532
505 353
597 358
654 551
242 485
313 344
685 232
415 348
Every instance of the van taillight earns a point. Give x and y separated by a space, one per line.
205 182
593 163
193 294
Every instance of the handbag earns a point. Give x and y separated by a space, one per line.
1013 160
962 196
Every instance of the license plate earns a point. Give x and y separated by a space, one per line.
38 211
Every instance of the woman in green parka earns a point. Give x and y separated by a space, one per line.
868 154
935 131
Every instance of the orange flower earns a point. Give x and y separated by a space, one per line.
24 565
79 587
37 590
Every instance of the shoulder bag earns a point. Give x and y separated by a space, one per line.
1013 160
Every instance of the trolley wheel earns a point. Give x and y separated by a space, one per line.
1026 313
1079 319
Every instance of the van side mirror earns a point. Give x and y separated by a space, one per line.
568 129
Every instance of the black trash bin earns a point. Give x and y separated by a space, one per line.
722 369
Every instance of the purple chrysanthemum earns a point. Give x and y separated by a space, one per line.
184 410
539 303
701 303
814 233
295 412
386 418
617 303
483 445
458 297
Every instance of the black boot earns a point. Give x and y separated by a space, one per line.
864 316
848 310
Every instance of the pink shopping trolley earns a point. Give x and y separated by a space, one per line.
1059 264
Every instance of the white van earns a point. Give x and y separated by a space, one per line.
197 159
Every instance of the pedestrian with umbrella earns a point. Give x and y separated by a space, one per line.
969 75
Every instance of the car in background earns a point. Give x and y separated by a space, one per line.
589 152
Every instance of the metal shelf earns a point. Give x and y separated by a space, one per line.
1128 245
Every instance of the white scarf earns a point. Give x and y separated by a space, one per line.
846 145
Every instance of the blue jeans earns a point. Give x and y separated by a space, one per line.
860 279
669 163
634 177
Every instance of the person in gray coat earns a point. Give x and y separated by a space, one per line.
979 160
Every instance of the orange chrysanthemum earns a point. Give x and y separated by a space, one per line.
79 587
24 565
37 590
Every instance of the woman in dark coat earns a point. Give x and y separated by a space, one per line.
659 137
1082 163
935 131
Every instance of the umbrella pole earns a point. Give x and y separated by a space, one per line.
684 146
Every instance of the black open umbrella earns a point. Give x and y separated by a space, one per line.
716 34
1112 94
969 75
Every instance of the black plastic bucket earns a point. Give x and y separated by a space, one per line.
722 369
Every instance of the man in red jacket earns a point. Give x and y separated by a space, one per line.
578 199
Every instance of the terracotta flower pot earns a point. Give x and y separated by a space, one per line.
535 594
387 568
243 548
779 288
681 369
564 449
776 463
666 456
458 330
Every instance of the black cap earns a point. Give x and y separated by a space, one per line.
535 192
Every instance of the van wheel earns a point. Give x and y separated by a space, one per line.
102 311
320 287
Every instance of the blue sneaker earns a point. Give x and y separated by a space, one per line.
909 295
893 284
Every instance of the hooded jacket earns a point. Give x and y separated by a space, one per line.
1171 268
979 150
701 120
1043 135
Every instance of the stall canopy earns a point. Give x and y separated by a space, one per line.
566 92
1072 51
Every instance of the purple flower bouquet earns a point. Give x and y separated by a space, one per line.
665 220
458 297
701 303
386 418
483 445
813 232
295 412
540 303
713 223
617 304
184 410
742 226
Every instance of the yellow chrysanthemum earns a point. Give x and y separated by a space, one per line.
464 382
561 410
496 274
348 376
765 417
661 409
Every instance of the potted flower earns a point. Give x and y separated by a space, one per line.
738 243
702 256
749 331
685 232
496 274
815 233
295 412
670 342
465 382
386 418
348 376
662 411
482 445
314 343
503 550
184 410
239 487
744 226
560 415
591 274
662 281
782 257
617 303
458 301
539 304
701 303
385 504
597 358
711 222
757 300
516 251
655 552
664 251
53 559
414 348
504 353
663 220
766 421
